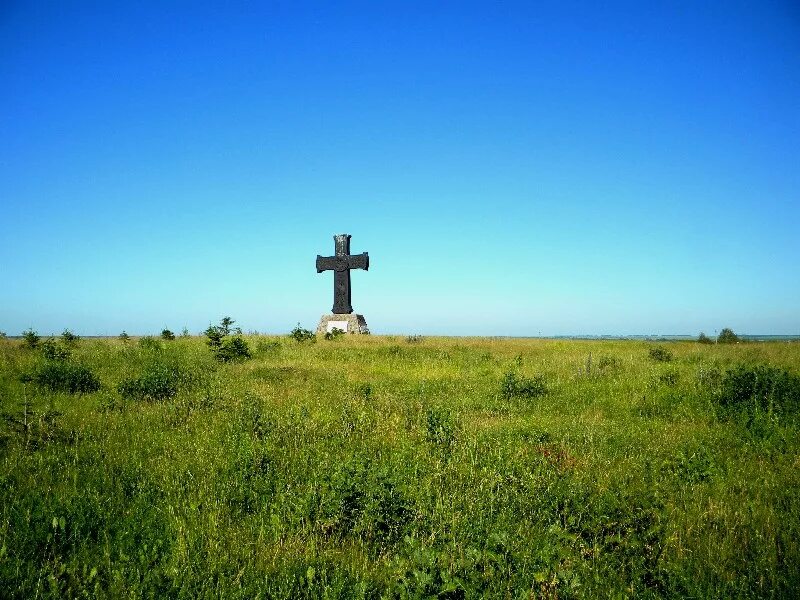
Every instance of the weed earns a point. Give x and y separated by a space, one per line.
298 334
513 385
63 377
439 427
660 354
334 334
30 339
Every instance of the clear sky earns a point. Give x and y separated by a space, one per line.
512 169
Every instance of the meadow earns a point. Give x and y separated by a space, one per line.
399 467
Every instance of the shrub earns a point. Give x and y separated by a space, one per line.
64 377
414 339
726 336
30 339
124 337
516 386
660 354
298 334
759 389
149 343
227 349
440 429
54 351
232 350
185 332
69 338
158 382
334 334
166 334
704 339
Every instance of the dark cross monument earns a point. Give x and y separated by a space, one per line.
341 264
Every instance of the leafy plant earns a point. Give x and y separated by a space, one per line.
158 382
726 336
298 334
124 337
513 385
64 377
334 334
52 350
166 334
225 348
30 339
759 389
69 339
660 354
704 339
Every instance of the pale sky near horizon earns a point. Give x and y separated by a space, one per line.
517 169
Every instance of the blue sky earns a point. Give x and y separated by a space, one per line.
512 169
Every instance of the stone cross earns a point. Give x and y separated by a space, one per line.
341 264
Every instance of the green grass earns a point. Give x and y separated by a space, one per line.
375 467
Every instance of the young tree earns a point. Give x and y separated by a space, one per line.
726 336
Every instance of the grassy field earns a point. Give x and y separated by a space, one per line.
400 467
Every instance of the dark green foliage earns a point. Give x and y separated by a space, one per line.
157 383
704 339
69 339
334 334
660 354
225 348
669 378
513 385
414 339
298 334
3 335
608 363
439 427
233 349
52 350
30 339
762 389
64 377
150 344
726 336
166 334
124 337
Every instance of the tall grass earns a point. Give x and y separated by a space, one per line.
377 468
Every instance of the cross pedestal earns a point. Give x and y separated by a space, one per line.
349 323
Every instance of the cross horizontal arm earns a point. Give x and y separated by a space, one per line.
327 263
359 261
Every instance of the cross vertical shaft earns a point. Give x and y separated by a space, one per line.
340 264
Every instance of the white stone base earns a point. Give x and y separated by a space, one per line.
351 323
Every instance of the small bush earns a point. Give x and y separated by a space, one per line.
669 378
64 377
159 382
608 363
232 350
69 339
124 337
334 334
3 335
185 332
759 389
166 334
414 339
439 427
726 336
516 386
51 350
660 354
150 343
298 334
30 339
704 339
